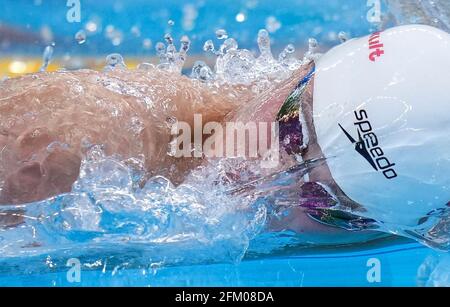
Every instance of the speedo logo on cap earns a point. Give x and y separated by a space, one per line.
368 145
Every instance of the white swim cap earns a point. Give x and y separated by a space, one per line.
388 96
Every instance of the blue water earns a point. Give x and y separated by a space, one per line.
299 20
403 263
399 267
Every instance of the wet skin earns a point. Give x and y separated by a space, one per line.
49 120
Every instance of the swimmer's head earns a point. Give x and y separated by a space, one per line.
381 114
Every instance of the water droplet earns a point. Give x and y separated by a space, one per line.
160 48
168 38
228 44
312 45
237 66
91 26
185 43
161 52
287 58
80 37
264 45
312 50
47 56
201 71
221 34
170 55
113 61
343 37
208 46
290 49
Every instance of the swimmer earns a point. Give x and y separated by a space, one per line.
365 116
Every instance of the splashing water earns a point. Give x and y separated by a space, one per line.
108 208
202 72
169 57
114 61
240 66
234 65
221 34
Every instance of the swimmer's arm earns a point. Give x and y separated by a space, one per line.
73 107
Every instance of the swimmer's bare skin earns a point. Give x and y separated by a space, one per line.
128 112
125 111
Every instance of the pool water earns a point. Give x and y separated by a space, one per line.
293 22
406 264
